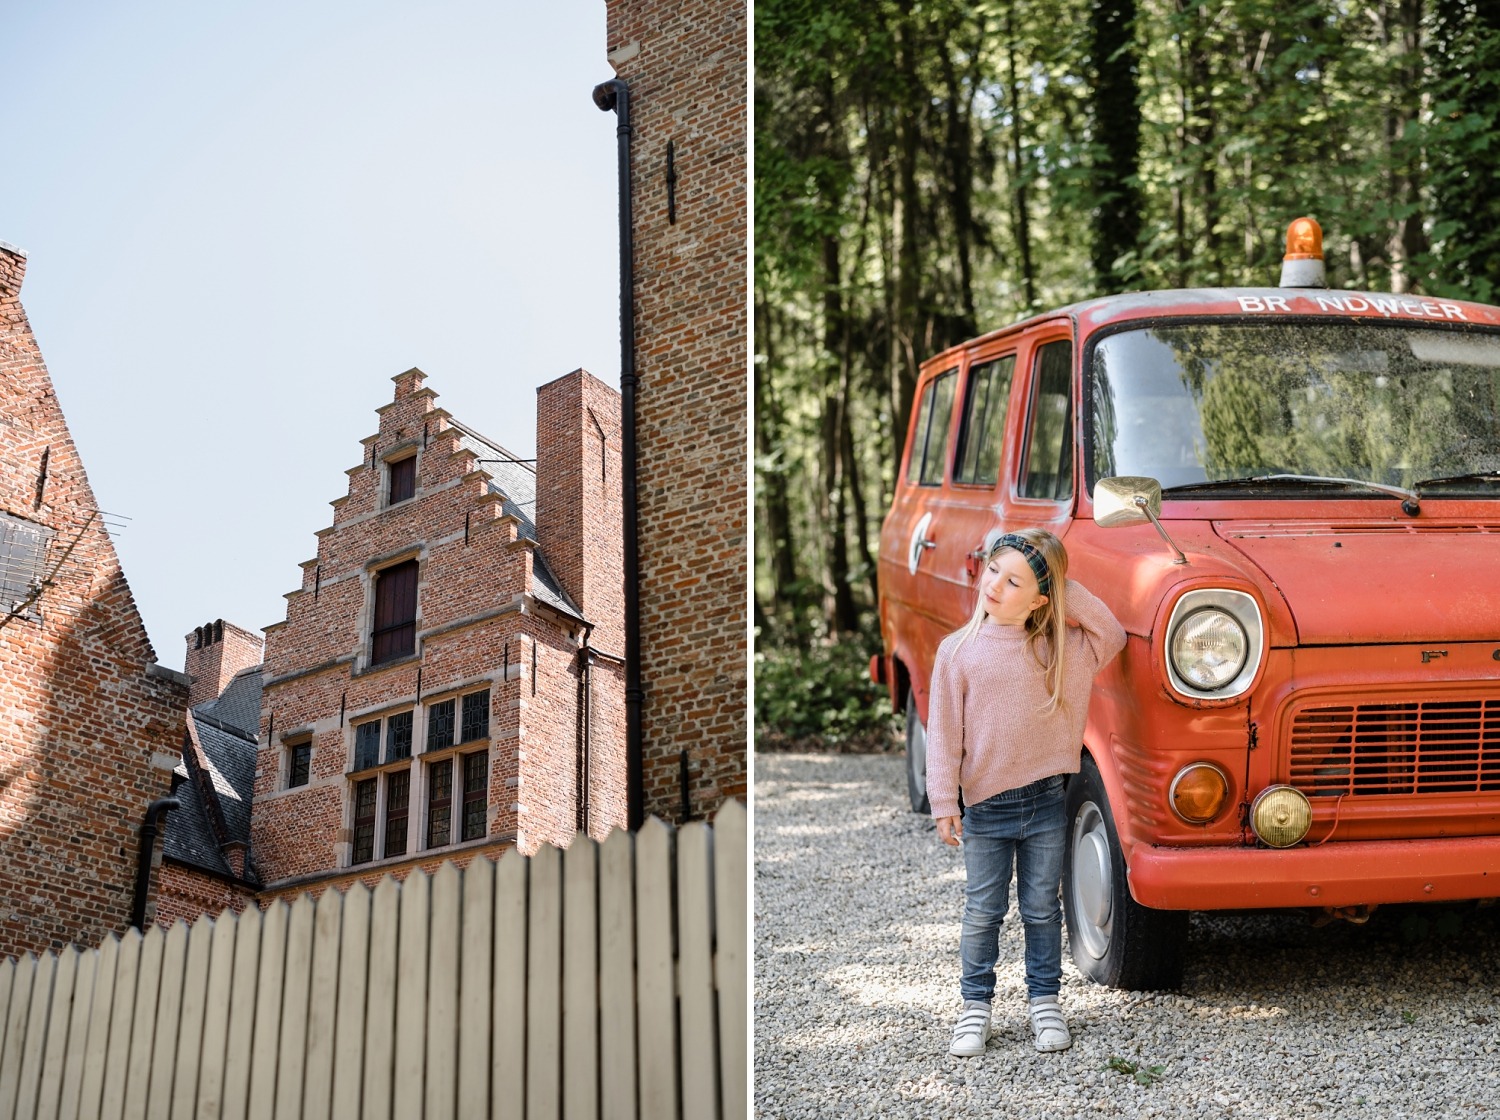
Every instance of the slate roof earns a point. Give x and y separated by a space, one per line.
515 483
226 728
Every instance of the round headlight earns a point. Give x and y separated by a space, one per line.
1208 648
1280 816
1198 792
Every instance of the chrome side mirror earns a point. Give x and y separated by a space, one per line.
1129 500
1126 500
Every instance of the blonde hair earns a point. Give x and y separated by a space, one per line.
1047 625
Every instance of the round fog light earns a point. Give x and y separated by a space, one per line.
1280 816
1198 792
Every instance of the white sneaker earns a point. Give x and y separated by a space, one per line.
972 1030
1049 1026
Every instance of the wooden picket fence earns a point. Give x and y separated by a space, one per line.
608 981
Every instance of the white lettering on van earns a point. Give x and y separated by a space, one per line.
1392 306
1269 303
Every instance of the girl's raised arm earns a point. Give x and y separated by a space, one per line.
1103 635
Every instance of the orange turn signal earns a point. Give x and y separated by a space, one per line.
1199 792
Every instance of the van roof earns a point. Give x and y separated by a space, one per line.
1252 303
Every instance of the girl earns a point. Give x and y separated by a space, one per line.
1010 693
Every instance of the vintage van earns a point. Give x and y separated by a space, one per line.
1290 497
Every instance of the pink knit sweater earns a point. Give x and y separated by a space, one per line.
985 730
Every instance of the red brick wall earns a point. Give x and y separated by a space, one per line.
189 894
578 499
89 729
685 64
477 625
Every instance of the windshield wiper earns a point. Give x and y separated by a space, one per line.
1459 479
1409 498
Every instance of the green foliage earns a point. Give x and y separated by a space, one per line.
1143 1075
926 172
820 696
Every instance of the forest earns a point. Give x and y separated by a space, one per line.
927 170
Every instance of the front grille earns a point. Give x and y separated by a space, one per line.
1395 748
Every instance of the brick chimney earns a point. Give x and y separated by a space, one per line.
215 653
578 499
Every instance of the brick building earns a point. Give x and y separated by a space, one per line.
684 63
206 864
89 723
448 678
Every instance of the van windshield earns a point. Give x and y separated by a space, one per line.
1208 405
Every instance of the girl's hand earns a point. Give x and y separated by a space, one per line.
951 830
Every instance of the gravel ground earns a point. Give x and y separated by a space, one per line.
856 975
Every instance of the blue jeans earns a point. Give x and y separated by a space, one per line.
1026 827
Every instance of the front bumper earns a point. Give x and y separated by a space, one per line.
1366 873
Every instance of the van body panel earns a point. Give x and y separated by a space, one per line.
1377 694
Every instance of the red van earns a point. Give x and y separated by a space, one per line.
1290 497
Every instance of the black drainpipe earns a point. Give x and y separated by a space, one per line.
149 830
585 718
615 95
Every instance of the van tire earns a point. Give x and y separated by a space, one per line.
916 758
1115 940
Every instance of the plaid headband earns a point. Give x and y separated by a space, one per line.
1033 557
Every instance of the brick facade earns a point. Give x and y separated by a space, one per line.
513 610
685 64
89 724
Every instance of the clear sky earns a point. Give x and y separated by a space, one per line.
242 219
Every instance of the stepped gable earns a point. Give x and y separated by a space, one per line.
514 482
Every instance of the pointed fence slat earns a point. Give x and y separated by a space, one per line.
49 1087
695 963
14 1028
508 1083
476 993
247 945
543 976
122 1015
656 980
178 1097
380 1022
411 997
30 1074
617 976
349 1030
607 981
442 995
96 1041
296 979
580 981
163 1054
77 1035
322 1007
731 955
268 998
205 1099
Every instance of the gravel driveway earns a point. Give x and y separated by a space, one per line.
856 960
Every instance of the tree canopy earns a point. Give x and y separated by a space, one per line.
927 170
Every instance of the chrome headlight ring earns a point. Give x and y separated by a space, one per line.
1215 641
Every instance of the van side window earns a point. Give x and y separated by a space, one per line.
930 437
1049 442
983 428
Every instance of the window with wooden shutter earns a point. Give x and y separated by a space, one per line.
395 631
403 480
